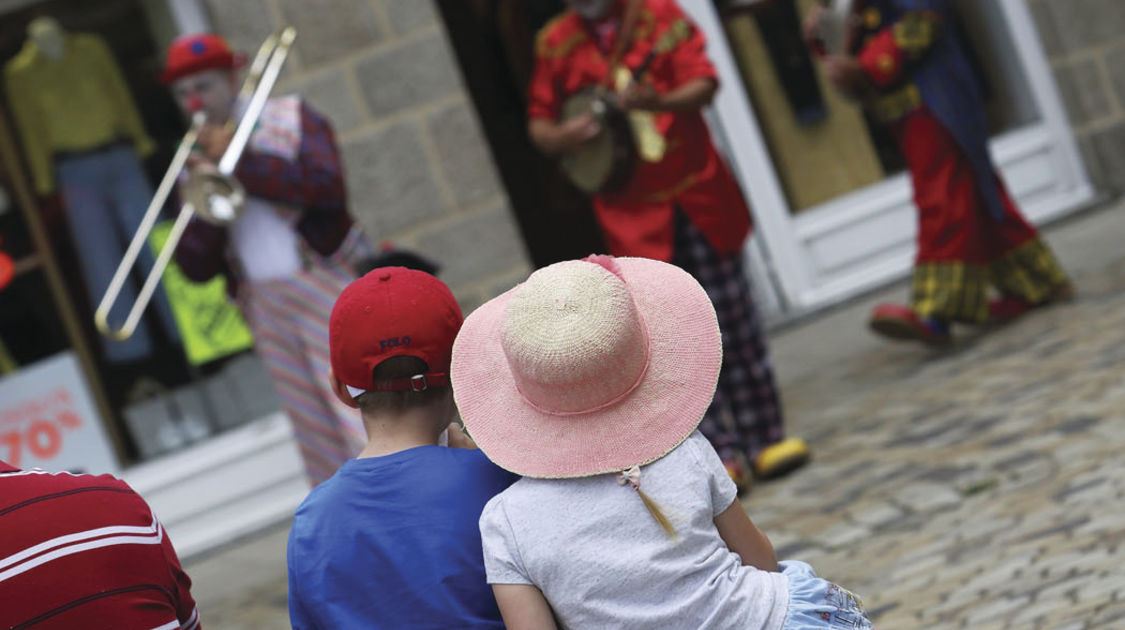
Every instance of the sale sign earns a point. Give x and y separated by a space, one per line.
48 420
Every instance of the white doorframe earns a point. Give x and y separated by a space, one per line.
865 238
751 161
1038 71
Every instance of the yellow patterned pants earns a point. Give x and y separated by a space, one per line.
958 291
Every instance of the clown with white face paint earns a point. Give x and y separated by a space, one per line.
292 250
212 91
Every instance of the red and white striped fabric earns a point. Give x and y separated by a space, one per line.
85 551
289 318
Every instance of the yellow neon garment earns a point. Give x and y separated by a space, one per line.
75 103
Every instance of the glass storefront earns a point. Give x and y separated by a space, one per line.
830 198
823 145
175 392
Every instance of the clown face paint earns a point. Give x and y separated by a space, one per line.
211 91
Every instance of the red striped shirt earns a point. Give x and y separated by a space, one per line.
85 551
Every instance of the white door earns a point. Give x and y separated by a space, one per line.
861 238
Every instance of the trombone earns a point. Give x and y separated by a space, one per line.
216 197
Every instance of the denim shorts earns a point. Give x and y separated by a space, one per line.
816 603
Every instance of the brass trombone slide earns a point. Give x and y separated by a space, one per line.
215 196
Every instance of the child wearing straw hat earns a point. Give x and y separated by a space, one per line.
390 540
589 380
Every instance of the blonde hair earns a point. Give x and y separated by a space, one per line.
632 477
658 515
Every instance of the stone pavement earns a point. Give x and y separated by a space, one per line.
975 488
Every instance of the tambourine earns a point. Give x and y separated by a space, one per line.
605 164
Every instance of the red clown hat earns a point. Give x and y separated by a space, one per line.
194 53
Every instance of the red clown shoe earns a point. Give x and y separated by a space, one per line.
1008 307
899 322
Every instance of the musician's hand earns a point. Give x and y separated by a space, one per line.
214 140
640 95
197 161
576 132
811 27
847 75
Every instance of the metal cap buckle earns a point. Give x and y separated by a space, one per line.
418 383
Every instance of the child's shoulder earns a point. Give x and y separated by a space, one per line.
693 451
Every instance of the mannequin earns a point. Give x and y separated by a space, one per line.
83 135
48 36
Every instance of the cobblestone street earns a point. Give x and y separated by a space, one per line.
977 488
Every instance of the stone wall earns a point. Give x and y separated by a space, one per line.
1085 42
419 170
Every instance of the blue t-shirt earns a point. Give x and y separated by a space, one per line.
392 542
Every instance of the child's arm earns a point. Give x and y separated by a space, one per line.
744 538
524 607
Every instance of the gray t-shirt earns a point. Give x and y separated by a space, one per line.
602 561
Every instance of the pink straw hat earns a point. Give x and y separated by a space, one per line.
588 367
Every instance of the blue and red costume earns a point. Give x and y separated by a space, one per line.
970 233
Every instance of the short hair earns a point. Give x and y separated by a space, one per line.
372 403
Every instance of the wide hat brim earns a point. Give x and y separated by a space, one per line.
685 354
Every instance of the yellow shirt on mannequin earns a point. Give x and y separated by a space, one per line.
75 103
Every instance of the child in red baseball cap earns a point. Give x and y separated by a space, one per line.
391 539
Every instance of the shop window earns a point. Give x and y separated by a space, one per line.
29 329
157 402
824 146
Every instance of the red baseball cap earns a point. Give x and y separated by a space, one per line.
195 53
393 312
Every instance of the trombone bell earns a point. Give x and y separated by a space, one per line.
215 198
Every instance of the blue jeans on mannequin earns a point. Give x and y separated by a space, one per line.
106 193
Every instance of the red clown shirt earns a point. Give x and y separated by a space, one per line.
679 166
